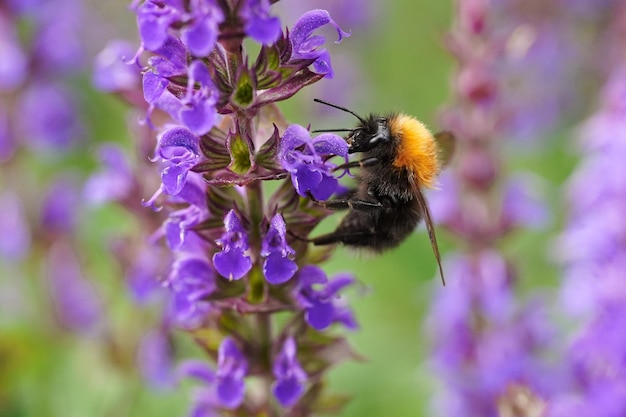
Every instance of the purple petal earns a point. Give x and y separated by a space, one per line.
230 391
261 27
155 359
232 224
330 144
278 269
232 264
15 240
111 72
288 391
77 303
320 315
305 179
326 188
153 86
201 37
311 274
196 369
199 116
13 62
60 206
306 25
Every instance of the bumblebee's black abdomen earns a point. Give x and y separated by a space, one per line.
377 230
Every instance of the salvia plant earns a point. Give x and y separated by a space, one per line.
234 199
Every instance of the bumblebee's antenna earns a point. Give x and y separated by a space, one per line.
331 130
342 109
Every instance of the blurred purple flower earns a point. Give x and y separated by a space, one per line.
77 304
305 45
290 377
305 159
112 69
484 340
13 60
523 205
48 117
58 44
320 298
592 250
232 262
60 207
259 25
114 180
7 140
155 359
142 275
278 267
15 240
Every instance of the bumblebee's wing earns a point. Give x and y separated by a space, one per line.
446 142
423 204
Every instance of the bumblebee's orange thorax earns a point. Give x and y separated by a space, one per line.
416 149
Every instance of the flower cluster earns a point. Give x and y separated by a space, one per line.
487 344
592 250
237 257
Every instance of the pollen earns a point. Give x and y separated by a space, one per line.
416 149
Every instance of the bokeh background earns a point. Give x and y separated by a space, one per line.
396 59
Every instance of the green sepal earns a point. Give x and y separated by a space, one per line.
239 154
245 90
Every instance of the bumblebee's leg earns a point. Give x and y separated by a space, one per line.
349 238
367 162
350 203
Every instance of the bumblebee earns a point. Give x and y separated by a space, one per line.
400 158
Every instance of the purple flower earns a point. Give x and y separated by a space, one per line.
15 240
112 72
227 386
198 26
232 262
305 45
277 268
261 27
320 298
200 36
199 113
305 159
177 152
232 367
77 303
154 19
192 279
290 377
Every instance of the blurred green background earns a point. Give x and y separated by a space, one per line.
47 372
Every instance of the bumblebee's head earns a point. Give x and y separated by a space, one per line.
370 133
